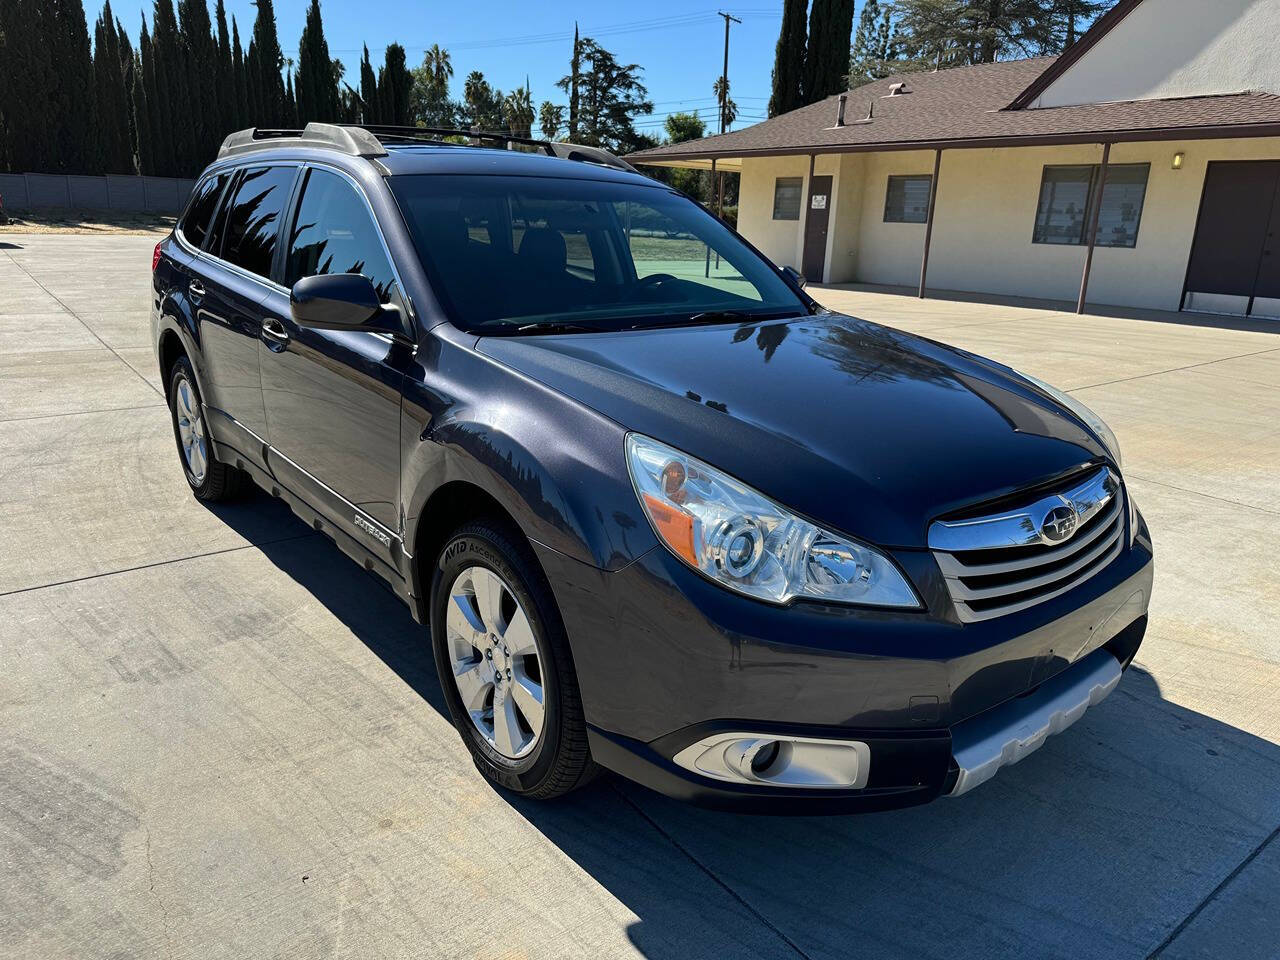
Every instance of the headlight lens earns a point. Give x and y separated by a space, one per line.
1091 419
744 541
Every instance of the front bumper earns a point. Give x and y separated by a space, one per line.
665 659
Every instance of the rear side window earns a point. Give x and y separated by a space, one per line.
195 225
334 233
253 223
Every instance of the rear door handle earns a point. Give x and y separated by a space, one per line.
274 332
196 289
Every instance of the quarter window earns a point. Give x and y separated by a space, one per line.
195 225
334 233
786 198
253 222
907 199
1066 192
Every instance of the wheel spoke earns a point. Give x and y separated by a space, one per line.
473 685
519 635
527 695
462 622
488 592
506 729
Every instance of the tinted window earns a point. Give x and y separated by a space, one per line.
1066 193
593 253
254 219
786 198
195 225
333 233
907 200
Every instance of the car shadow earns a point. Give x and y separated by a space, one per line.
1101 844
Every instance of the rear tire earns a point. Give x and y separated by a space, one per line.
495 628
210 479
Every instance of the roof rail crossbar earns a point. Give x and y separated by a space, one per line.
353 141
566 151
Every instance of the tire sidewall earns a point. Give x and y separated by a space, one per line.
182 371
475 545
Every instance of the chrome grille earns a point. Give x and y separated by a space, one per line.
1013 559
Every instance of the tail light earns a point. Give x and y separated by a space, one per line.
155 257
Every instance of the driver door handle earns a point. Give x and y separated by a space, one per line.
274 332
196 289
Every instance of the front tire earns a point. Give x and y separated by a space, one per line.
505 665
210 479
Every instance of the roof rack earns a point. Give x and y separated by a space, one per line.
368 140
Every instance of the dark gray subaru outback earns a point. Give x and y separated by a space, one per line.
661 512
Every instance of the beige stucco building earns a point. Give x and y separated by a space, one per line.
1143 164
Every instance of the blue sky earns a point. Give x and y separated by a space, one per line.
679 44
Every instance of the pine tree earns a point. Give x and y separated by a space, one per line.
113 103
788 59
872 55
395 85
317 85
610 97
369 112
827 59
265 81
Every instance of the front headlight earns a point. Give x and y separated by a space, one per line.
744 541
1091 419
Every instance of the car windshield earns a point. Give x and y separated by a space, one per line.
546 254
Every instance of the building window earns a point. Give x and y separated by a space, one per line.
907 199
1062 216
786 198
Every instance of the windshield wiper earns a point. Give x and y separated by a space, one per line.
559 327
720 316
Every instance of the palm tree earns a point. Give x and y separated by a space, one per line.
550 119
439 65
517 110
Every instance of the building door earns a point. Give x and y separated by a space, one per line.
815 228
1235 256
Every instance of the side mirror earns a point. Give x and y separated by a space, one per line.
792 274
342 301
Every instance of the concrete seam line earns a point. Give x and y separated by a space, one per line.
159 563
1177 931
1207 496
1189 366
710 874
81 413
58 300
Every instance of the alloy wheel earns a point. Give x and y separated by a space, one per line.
191 430
495 662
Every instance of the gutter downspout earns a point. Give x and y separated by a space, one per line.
928 223
1094 211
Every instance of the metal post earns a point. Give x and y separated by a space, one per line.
928 221
707 272
1094 209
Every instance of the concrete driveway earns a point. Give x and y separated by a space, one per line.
219 738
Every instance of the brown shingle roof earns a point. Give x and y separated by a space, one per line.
966 106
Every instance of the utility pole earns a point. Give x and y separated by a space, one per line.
724 98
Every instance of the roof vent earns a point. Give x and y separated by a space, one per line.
898 89
840 109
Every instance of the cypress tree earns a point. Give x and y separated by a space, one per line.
317 83
827 60
788 59
395 83
224 77
240 80
73 106
266 82
144 105
290 104
132 82
199 61
368 90
575 77
175 138
113 103
155 82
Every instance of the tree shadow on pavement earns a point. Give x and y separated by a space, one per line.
1108 841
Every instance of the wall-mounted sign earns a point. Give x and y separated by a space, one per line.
818 201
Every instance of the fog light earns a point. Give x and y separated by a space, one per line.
779 761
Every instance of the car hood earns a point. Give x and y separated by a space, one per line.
862 428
